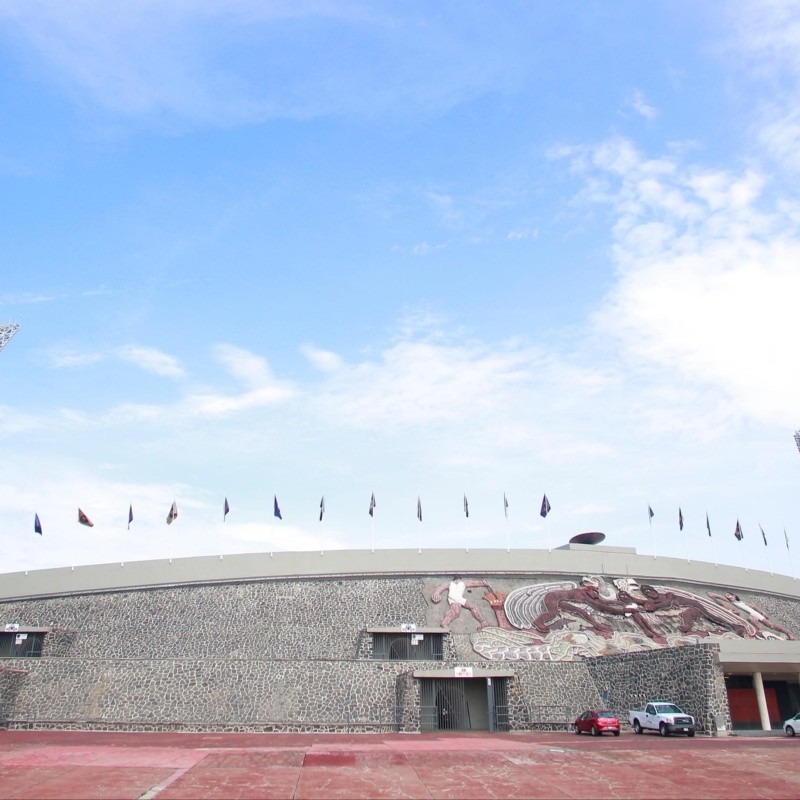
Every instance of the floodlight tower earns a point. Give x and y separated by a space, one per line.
7 333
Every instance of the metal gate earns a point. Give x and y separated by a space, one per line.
445 705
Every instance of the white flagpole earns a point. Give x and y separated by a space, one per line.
766 548
373 534
466 521
549 541
652 535
685 540
508 527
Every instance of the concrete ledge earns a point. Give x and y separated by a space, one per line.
366 563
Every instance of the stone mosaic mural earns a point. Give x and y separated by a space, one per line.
597 616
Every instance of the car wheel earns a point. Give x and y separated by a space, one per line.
576 729
662 729
637 728
790 731
595 731
690 734
616 733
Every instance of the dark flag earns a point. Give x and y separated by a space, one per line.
708 525
84 520
738 532
419 509
466 507
173 513
763 535
797 439
650 512
226 509
37 528
130 516
372 505
680 519
505 505
322 508
545 507
276 509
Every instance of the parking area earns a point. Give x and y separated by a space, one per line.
50 764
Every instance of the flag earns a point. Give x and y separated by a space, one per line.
763 535
797 438
130 516
545 507
680 519
372 505
276 509
37 527
505 505
650 512
419 509
708 524
322 508
466 507
225 509
84 520
738 532
173 513
785 536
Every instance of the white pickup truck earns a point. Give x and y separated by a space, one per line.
666 718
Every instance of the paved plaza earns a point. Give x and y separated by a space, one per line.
529 765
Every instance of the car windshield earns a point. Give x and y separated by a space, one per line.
667 708
606 715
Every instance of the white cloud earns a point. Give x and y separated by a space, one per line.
238 61
68 359
708 276
323 360
642 107
152 360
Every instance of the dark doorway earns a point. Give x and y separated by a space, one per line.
464 704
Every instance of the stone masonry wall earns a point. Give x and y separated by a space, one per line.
293 655
690 677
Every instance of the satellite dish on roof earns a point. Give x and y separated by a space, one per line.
592 537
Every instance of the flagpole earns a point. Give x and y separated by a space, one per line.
549 540
685 540
466 522
373 534
508 526
652 535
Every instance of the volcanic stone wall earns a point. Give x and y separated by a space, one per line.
690 677
291 654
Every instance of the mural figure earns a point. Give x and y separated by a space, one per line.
455 597
570 619
689 608
755 615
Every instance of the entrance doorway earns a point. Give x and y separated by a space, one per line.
782 696
464 704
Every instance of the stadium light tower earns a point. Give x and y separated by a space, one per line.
7 333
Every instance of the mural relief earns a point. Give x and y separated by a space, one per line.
566 620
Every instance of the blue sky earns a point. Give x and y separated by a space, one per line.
414 249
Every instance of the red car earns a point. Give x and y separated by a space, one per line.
596 723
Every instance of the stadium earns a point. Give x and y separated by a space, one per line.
395 640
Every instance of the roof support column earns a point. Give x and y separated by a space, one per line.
761 697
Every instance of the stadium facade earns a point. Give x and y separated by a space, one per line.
400 640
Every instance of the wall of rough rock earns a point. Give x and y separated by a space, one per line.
288 654
690 677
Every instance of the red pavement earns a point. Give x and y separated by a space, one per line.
62 764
